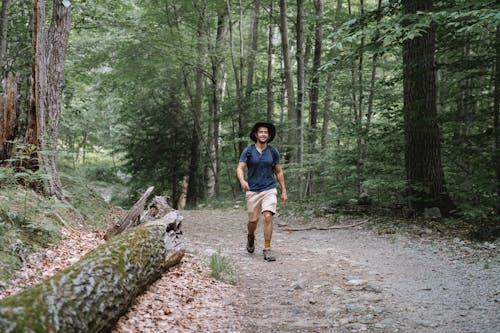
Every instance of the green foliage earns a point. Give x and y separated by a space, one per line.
29 221
86 200
101 173
131 91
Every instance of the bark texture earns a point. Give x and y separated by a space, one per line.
9 108
496 113
91 295
424 169
57 41
290 95
45 90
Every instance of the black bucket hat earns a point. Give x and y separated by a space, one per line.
269 126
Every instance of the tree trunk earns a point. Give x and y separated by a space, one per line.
326 111
496 115
314 97
9 109
46 87
292 112
56 51
300 92
181 203
238 80
328 97
424 172
253 39
195 176
37 91
270 64
359 110
315 80
371 95
91 295
4 20
217 95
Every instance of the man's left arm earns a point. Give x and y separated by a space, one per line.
278 170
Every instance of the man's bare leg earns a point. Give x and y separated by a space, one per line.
251 227
268 234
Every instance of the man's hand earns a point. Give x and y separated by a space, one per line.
244 185
240 175
284 197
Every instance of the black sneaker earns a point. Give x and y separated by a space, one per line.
267 255
251 243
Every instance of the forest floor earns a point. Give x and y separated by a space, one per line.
375 277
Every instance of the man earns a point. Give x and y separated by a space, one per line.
263 164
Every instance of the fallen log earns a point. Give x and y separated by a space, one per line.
325 228
91 295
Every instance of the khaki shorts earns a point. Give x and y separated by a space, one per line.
258 202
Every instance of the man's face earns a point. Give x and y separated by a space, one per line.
262 134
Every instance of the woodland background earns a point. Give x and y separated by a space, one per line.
390 104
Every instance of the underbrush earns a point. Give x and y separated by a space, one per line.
30 221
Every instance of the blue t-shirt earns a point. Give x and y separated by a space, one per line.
260 168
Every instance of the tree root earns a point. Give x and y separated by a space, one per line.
325 228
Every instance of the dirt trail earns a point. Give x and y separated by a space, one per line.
352 280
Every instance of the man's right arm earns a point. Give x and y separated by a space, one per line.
240 174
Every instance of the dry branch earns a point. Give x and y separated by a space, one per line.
325 228
131 218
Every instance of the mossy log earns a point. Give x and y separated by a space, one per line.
91 295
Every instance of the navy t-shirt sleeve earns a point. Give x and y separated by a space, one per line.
243 157
277 159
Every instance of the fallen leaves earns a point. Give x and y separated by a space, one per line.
184 299
45 263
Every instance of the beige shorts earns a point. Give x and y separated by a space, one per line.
259 202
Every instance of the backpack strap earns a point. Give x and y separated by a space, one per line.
249 152
274 153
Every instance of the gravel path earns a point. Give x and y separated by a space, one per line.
353 279
362 279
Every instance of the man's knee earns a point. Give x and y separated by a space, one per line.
268 216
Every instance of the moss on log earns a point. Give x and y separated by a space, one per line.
91 295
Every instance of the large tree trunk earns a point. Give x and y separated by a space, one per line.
496 115
424 172
57 41
46 87
91 295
